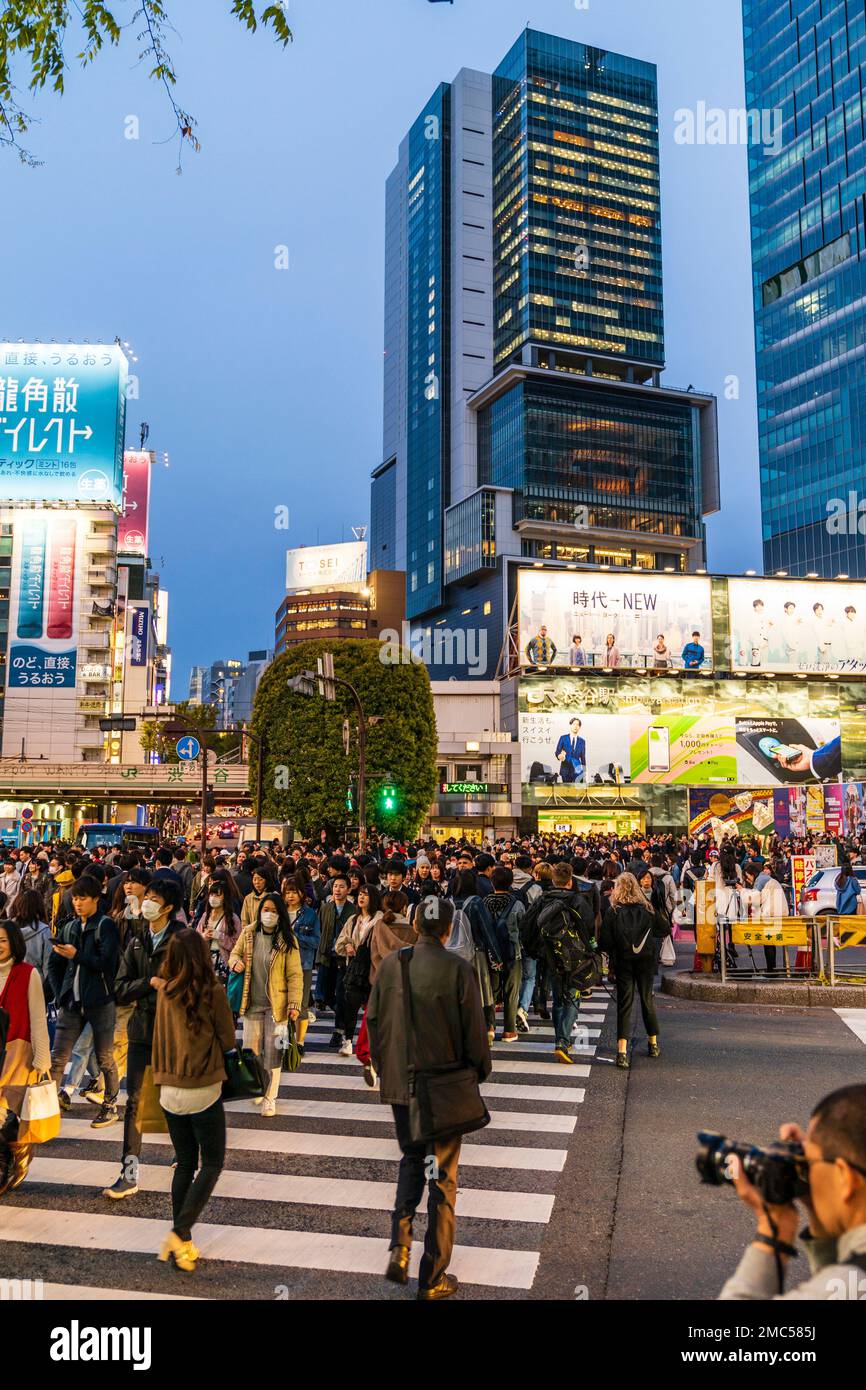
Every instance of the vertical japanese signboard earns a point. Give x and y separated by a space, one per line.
132 534
46 563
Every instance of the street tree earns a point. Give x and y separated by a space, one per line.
310 780
39 33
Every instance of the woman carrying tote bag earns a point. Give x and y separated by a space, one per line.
192 1033
26 1057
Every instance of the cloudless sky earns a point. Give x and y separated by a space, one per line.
264 386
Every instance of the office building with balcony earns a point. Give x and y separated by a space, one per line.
805 65
524 415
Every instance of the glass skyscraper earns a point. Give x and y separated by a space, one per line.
524 415
805 69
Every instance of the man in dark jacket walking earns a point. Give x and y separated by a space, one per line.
81 973
136 984
449 1032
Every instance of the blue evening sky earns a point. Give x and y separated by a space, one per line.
264 386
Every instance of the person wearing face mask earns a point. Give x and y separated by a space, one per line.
140 966
220 925
267 952
304 921
264 879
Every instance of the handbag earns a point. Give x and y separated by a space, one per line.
443 1101
150 1116
668 955
245 1075
292 1054
235 990
40 1114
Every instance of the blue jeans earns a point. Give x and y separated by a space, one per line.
527 983
566 1003
83 1060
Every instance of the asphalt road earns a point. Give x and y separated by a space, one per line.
583 1188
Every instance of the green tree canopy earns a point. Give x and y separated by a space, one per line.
308 773
41 31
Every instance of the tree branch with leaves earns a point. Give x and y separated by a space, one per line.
38 31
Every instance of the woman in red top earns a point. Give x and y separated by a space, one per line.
28 1051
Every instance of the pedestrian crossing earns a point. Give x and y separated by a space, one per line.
855 1019
305 1198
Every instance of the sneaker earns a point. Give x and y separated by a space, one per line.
491 1034
522 1021
562 1054
124 1187
94 1092
105 1116
509 1037
336 1039
311 1017
65 1100
269 1107
653 1050
370 1076
346 1049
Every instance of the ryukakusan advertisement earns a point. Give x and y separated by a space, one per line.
43 608
62 417
634 621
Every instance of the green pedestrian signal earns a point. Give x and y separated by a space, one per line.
388 799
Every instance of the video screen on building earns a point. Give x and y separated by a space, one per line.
798 625
582 733
636 621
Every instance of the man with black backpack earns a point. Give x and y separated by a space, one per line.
507 910
559 929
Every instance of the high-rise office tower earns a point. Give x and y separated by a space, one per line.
805 81
524 341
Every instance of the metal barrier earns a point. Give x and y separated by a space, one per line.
818 941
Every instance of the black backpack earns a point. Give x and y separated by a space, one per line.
567 944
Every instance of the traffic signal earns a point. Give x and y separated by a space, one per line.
211 803
388 799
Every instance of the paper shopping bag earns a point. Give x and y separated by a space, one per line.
40 1114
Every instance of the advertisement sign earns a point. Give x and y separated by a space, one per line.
738 812
46 561
633 621
317 566
62 419
132 531
138 636
799 625
802 868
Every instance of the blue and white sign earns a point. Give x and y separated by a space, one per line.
138 638
62 420
188 749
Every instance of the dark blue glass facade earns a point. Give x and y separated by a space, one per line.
382 546
577 225
805 63
428 215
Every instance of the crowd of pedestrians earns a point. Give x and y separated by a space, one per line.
126 977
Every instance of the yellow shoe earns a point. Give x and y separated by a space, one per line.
183 1252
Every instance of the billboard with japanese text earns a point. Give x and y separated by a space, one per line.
62 419
634 621
314 566
44 601
798 625
132 533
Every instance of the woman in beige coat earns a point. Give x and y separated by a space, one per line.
267 952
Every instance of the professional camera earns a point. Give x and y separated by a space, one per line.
778 1172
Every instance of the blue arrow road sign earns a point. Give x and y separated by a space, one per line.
188 750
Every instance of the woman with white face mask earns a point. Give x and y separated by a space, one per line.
267 953
220 926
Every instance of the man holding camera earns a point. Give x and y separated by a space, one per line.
834 1165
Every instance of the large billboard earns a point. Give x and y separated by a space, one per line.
330 566
580 732
800 625
132 533
62 418
45 583
634 621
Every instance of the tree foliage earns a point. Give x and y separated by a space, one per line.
305 749
39 32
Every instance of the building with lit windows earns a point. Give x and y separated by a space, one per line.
805 64
330 595
524 416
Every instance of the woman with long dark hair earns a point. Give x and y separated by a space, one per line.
192 1033
219 924
627 935
268 954
354 945
28 911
